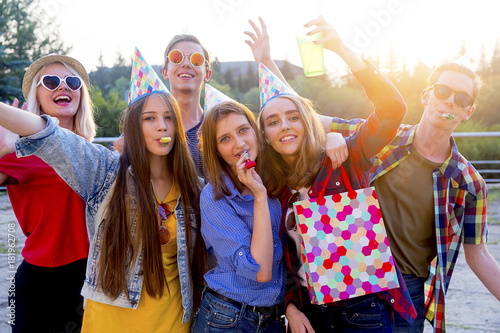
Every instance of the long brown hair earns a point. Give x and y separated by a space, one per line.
277 173
213 163
119 249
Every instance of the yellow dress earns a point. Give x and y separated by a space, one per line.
152 315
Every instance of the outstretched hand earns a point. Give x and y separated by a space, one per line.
7 138
331 39
259 42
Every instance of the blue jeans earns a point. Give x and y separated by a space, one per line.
217 315
415 287
366 313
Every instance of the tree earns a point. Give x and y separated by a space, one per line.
106 78
288 71
229 77
108 111
216 72
25 35
392 66
495 59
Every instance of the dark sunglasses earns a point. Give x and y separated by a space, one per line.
462 99
52 82
164 213
196 59
291 223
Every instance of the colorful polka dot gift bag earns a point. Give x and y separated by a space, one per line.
344 245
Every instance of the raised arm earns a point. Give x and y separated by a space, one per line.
332 41
84 166
7 138
336 149
261 48
390 108
19 121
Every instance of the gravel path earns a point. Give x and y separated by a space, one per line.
470 308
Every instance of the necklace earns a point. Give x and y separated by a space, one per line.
164 212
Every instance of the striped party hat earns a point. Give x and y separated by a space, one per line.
144 79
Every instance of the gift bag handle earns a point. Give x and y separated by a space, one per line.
344 179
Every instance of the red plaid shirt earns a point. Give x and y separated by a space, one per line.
373 135
460 213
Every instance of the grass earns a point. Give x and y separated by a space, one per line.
493 193
5 249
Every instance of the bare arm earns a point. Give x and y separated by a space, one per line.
261 48
3 177
484 266
19 121
332 41
7 138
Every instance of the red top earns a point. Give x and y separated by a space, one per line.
50 213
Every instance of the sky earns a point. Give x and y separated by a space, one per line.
428 30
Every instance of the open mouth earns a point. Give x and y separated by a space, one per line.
185 76
62 100
287 138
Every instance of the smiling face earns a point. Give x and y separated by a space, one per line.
157 123
235 136
435 108
283 128
61 103
186 78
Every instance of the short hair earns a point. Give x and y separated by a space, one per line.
213 164
84 119
185 38
456 67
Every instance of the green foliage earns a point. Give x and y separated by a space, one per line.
483 148
105 78
347 100
108 112
26 34
251 100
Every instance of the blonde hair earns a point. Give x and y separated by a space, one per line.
84 124
277 173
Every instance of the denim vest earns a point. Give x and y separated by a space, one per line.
90 170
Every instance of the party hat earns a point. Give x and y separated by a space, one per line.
464 61
144 79
271 86
214 97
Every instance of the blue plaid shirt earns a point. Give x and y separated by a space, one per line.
192 141
226 227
